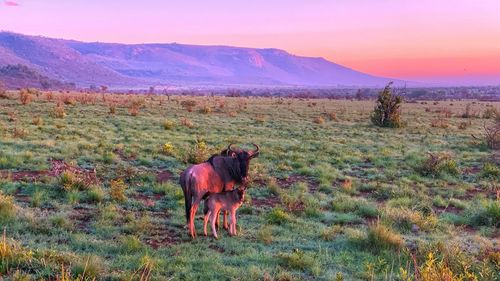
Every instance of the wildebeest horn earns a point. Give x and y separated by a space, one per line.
256 151
229 150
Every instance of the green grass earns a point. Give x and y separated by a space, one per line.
331 198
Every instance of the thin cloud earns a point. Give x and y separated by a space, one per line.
10 3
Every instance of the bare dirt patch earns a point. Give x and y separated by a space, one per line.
57 167
266 202
293 179
160 235
164 176
148 200
217 248
124 156
82 218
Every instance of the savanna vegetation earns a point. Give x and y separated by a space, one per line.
89 189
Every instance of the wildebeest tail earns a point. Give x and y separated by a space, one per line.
185 182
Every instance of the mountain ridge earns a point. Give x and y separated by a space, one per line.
133 65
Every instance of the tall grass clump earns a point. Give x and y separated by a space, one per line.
25 96
117 190
387 112
380 237
59 111
438 163
7 209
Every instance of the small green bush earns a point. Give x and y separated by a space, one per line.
484 213
168 124
95 194
89 268
70 182
329 233
438 163
490 171
131 243
298 259
277 216
265 234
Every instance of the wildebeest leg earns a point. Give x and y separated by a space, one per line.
233 222
205 222
217 222
212 221
186 203
194 208
225 220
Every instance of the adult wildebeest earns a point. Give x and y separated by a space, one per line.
219 173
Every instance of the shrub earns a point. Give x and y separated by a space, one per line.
95 194
3 91
37 197
7 208
168 149
12 116
137 225
25 97
440 123
265 234
405 218
469 113
112 108
131 243
19 132
60 221
168 124
188 103
37 121
186 123
298 259
260 119
492 135
89 268
198 153
134 109
59 111
343 203
319 120
381 237
117 190
329 233
332 116
68 100
12 255
387 112
277 216
49 96
490 113
484 213
491 171
463 125
437 163
206 110
70 181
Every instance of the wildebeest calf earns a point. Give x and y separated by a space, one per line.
224 201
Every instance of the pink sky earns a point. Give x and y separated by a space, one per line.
443 40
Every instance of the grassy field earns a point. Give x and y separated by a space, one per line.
89 189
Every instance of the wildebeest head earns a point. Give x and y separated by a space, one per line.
244 158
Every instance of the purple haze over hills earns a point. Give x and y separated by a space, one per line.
141 65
